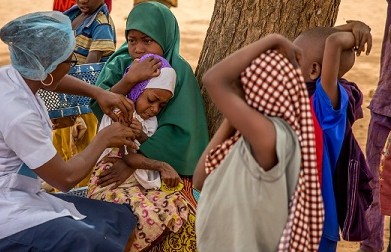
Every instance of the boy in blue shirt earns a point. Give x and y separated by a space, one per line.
94 31
327 55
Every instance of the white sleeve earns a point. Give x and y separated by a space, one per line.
29 140
150 126
106 121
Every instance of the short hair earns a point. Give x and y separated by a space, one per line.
316 39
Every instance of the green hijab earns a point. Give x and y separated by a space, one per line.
182 133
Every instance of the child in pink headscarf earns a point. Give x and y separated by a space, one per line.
158 211
149 97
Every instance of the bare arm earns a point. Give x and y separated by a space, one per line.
335 44
106 99
72 85
65 175
220 81
362 35
223 132
123 168
94 56
139 161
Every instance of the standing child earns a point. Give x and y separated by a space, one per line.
327 56
95 42
263 181
94 31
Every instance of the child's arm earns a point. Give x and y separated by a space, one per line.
223 132
94 56
123 168
335 44
220 82
138 130
362 35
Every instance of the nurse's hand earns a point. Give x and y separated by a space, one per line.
109 102
118 172
117 135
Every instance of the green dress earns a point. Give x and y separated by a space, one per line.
182 133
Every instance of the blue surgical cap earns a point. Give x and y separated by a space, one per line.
38 42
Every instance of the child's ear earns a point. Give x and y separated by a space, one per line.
315 70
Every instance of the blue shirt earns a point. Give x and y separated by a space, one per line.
333 124
96 33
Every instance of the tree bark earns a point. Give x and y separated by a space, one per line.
236 23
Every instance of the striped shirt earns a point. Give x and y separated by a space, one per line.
96 33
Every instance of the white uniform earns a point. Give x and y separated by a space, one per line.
25 144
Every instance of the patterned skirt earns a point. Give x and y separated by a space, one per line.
166 219
185 239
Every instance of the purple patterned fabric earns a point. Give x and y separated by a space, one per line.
139 88
379 127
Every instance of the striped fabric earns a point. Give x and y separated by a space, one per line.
275 88
97 33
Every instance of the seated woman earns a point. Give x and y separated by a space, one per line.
182 130
41 46
149 97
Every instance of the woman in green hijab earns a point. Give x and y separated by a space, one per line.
182 130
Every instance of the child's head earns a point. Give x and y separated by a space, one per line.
140 44
152 28
150 96
312 42
89 6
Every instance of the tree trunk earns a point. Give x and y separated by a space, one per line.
236 23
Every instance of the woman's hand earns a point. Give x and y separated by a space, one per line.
362 35
109 102
117 135
140 71
118 172
168 174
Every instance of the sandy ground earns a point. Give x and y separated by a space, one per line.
194 16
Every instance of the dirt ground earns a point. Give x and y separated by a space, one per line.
193 25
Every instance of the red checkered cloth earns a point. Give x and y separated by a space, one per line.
275 88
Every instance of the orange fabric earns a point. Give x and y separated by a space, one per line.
63 5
